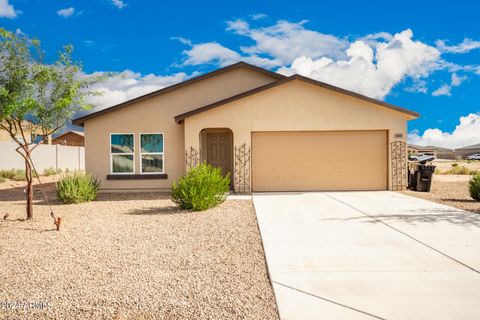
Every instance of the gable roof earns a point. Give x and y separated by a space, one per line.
433 148
327 86
416 147
78 133
473 146
80 120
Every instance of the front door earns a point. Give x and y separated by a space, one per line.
219 151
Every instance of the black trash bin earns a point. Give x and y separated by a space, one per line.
423 177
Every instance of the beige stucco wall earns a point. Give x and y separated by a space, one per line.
156 115
4 136
296 106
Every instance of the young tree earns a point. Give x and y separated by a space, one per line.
38 97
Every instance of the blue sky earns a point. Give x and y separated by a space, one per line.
422 55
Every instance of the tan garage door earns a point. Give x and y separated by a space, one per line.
315 160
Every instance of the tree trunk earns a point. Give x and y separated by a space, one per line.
29 195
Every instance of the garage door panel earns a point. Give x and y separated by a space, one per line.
315 160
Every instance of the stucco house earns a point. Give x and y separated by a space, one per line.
269 131
28 129
464 152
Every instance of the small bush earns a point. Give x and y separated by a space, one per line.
19 175
77 187
201 188
454 165
13 174
2 180
51 172
460 170
474 187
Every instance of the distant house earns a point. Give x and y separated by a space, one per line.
445 153
414 149
463 153
70 138
438 152
27 129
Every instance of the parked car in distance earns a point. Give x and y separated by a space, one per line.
412 157
475 156
418 156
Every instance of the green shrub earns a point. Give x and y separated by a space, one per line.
454 164
12 173
474 187
15 174
2 180
51 171
77 187
19 175
201 188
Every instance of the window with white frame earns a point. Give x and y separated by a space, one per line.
151 153
122 150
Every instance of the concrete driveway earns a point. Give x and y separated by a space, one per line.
364 255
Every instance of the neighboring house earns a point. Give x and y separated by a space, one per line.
438 152
271 132
27 129
414 149
445 153
463 153
70 138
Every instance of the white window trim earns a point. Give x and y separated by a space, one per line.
153 153
116 154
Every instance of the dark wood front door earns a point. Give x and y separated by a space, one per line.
219 151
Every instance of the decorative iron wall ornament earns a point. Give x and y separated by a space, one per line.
192 158
241 170
399 165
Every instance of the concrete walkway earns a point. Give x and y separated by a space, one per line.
370 255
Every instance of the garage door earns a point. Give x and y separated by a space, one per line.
319 160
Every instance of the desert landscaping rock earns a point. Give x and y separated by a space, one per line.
133 256
451 190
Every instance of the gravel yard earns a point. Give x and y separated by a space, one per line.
451 190
133 256
444 165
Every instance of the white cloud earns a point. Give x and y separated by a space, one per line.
457 80
284 41
372 71
372 64
67 12
215 53
465 46
7 10
418 86
210 52
443 90
467 132
120 4
130 85
258 16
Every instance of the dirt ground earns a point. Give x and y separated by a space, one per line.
131 256
444 165
451 190
11 184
